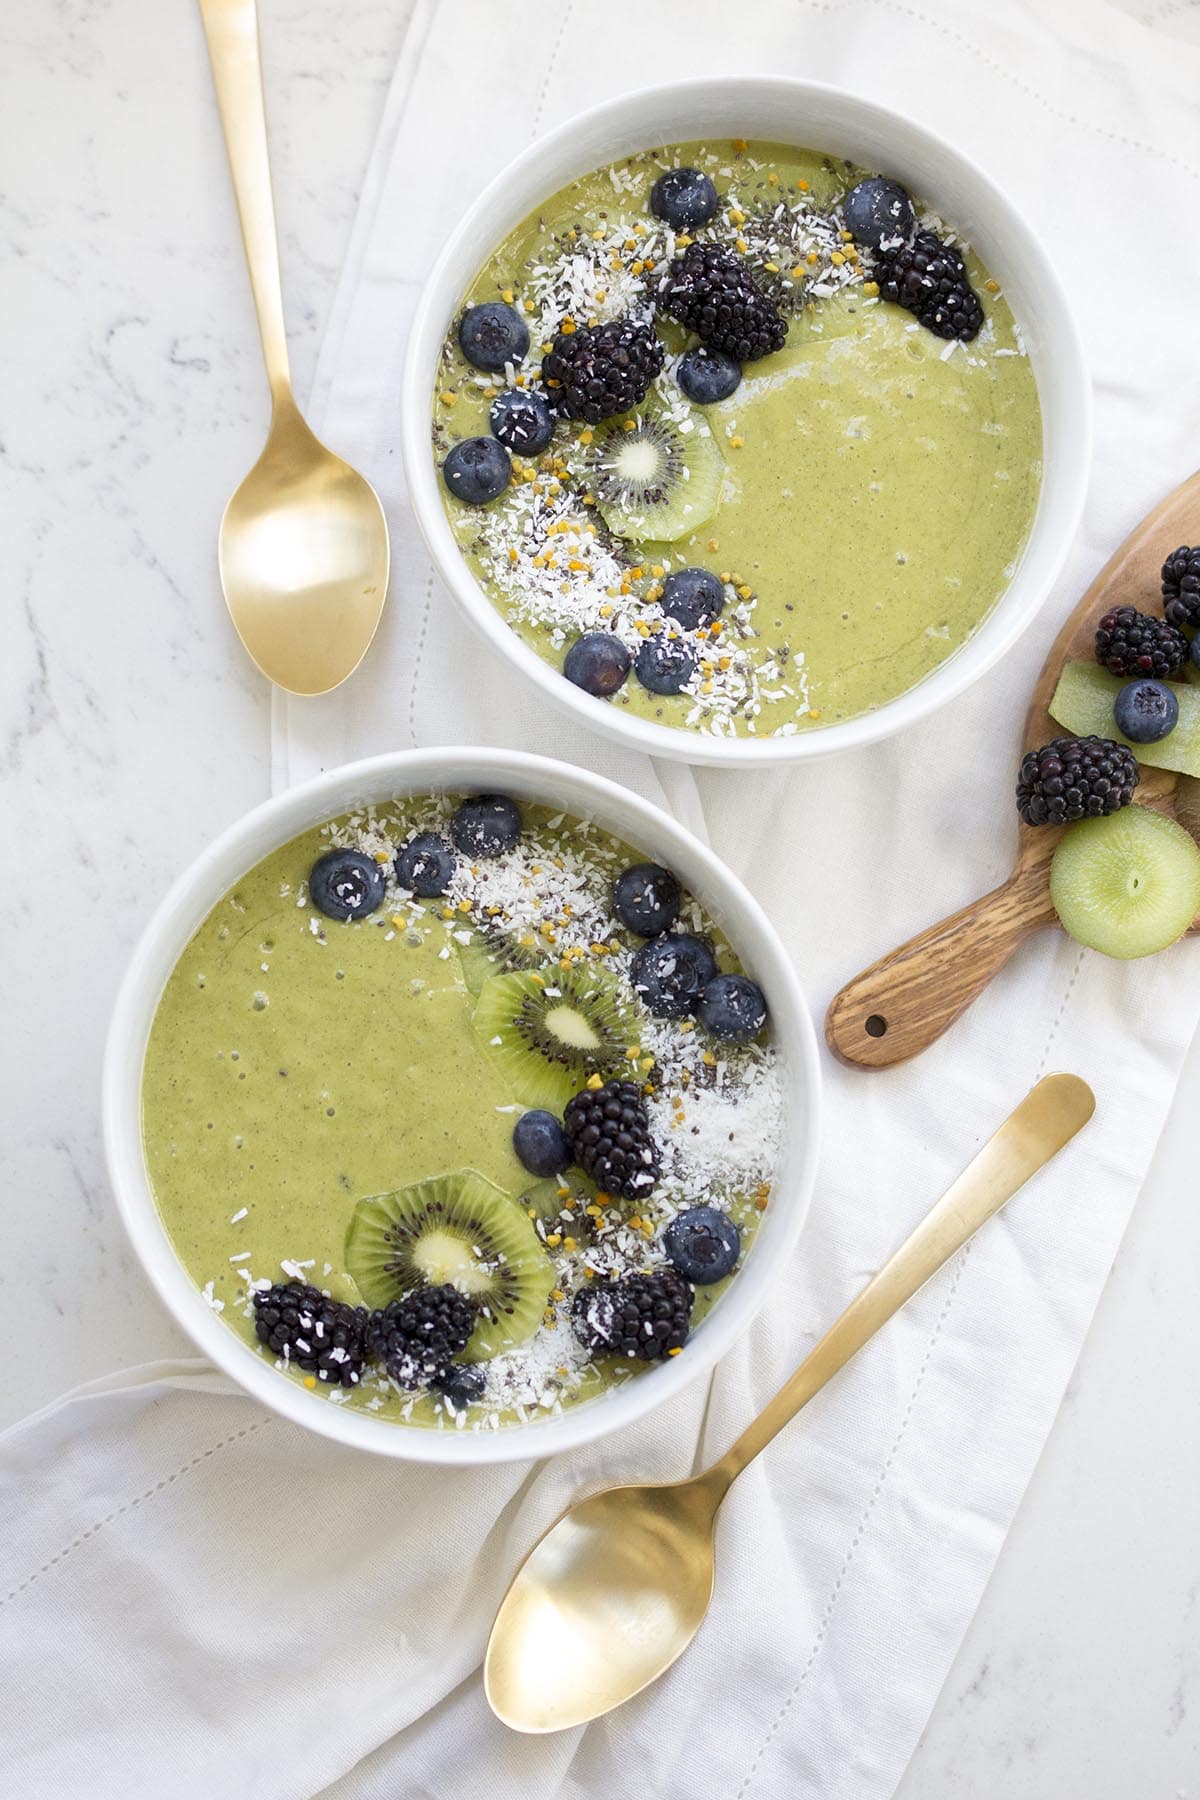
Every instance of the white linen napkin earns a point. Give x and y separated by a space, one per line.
197 1599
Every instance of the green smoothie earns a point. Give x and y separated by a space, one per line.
876 482
299 1064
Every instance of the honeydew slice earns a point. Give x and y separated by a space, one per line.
1083 704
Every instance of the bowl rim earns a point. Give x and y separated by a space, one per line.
1065 465
271 824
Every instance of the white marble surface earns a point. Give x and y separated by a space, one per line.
131 729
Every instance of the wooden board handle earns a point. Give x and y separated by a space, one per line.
904 1002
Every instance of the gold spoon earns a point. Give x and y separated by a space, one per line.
618 1587
304 545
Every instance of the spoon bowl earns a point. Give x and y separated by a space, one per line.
631 1565
304 560
616 1590
303 548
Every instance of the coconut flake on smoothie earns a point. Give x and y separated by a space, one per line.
461 1111
739 437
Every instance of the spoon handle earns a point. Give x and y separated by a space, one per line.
906 1000
1047 1118
231 27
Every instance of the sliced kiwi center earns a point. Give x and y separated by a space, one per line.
443 1256
561 1026
549 1031
653 480
640 468
459 1229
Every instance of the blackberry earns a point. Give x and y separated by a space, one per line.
1181 586
1075 778
646 1316
711 291
1137 644
601 370
324 1337
608 1131
929 279
416 1337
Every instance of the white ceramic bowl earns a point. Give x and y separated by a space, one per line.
814 116
382 779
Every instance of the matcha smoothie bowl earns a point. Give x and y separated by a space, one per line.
747 418
459 1104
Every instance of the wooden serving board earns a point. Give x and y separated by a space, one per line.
906 1000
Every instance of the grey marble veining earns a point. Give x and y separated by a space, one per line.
132 729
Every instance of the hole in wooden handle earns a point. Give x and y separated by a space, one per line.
875 1026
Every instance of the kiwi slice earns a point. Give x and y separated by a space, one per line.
654 479
549 1030
496 953
459 1229
1127 885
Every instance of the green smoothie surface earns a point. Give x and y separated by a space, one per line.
298 1064
878 482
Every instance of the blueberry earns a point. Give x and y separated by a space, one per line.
345 884
665 664
707 376
878 211
693 597
646 898
486 825
598 662
522 420
460 1385
539 1141
1146 711
1195 651
425 865
703 1244
734 1008
683 198
492 335
670 974
477 470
